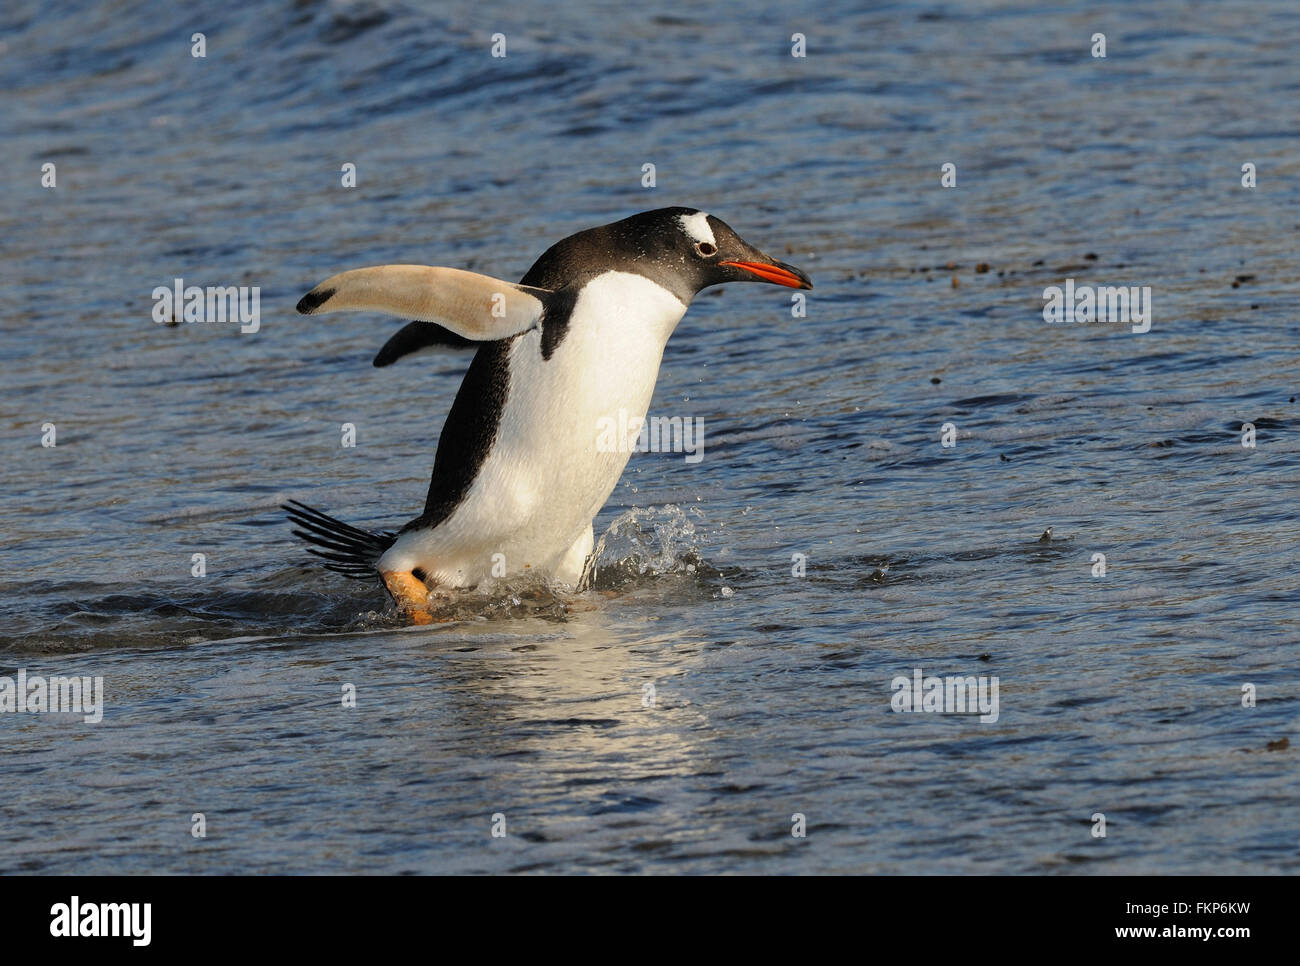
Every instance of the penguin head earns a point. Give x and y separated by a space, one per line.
713 253
681 249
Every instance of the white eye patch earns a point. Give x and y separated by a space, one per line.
697 227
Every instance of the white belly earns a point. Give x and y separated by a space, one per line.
551 467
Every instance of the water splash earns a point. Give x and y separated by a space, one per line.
507 598
648 542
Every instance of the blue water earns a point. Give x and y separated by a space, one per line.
1119 694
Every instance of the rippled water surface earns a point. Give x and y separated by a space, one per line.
1119 694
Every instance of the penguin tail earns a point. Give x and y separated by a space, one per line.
349 550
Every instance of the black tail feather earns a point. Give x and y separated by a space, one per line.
352 552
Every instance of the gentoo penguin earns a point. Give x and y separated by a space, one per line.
518 475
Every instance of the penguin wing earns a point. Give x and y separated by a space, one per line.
415 336
473 306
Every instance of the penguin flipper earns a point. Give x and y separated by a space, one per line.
473 306
415 336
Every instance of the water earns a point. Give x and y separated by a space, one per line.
1118 694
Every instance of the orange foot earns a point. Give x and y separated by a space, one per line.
409 594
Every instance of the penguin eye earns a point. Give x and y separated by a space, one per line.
705 249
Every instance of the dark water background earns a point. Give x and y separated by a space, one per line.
1119 694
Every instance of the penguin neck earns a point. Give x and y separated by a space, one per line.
629 311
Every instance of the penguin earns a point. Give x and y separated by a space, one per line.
518 474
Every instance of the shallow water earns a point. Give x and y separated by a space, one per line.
1118 694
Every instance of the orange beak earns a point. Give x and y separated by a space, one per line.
776 272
